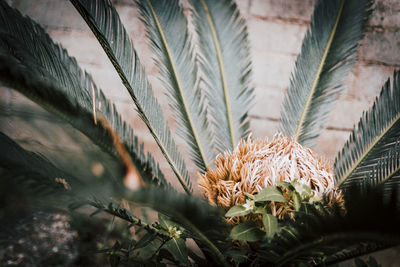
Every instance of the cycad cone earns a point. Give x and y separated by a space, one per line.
254 165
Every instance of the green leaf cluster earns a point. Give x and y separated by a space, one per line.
294 197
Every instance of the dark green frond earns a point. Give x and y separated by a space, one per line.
327 55
204 222
363 248
176 62
321 237
225 62
386 170
124 214
34 171
32 64
370 262
106 25
377 132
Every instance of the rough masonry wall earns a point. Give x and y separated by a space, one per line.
276 29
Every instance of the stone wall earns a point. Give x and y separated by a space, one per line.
276 29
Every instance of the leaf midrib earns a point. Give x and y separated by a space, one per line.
391 175
245 231
304 112
366 152
222 74
177 80
177 246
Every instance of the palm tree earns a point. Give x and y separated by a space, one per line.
208 84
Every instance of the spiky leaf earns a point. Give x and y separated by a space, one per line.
387 168
175 59
225 61
124 214
376 133
34 65
104 21
327 55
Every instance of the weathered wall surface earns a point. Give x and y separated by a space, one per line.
276 29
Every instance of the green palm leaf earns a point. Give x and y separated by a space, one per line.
106 25
175 58
326 57
40 178
377 132
370 223
193 214
32 64
386 170
124 214
225 61
34 172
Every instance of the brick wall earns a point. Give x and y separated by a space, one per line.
276 29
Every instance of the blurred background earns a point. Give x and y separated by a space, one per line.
276 29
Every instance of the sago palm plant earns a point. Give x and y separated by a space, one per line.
266 202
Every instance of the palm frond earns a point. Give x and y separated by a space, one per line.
124 214
327 55
34 171
106 25
377 132
50 187
354 252
32 64
386 170
193 214
225 62
175 59
322 237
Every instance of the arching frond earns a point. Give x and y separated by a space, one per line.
225 62
48 185
370 223
32 64
192 213
377 132
386 170
106 25
327 55
34 171
124 214
176 62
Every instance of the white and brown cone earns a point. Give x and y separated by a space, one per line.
253 165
